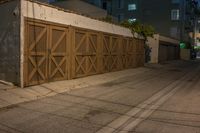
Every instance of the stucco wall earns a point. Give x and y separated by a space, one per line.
9 41
153 43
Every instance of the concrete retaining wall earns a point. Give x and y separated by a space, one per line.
9 41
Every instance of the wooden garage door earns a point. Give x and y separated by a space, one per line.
131 54
85 53
58 67
36 56
52 54
139 52
123 56
45 53
110 53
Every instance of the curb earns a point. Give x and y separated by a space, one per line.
6 83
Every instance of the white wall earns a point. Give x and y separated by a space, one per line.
153 43
49 13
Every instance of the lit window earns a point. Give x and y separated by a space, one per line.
132 7
132 20
175 14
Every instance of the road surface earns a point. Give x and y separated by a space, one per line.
163 99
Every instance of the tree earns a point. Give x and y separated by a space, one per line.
142 29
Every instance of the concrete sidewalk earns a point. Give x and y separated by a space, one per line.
10 95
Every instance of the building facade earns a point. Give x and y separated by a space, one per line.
166 16
171 18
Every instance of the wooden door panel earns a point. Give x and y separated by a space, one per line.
92 53
58 53
80 51
106 53
85 53
36 54
114 53
110 53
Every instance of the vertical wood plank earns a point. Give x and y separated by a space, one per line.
100 53
70 38
25 65
73 52
87 34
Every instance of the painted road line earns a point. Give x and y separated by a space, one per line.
144 115
147 112
116 124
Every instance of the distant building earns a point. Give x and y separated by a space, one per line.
166 16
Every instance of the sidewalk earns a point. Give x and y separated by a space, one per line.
10 95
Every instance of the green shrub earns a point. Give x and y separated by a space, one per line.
142 29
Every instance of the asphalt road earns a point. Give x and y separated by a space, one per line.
163 99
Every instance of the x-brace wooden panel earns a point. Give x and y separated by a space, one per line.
85 53
58 53
36 44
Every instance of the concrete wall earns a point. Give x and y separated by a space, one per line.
9 41
153 43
